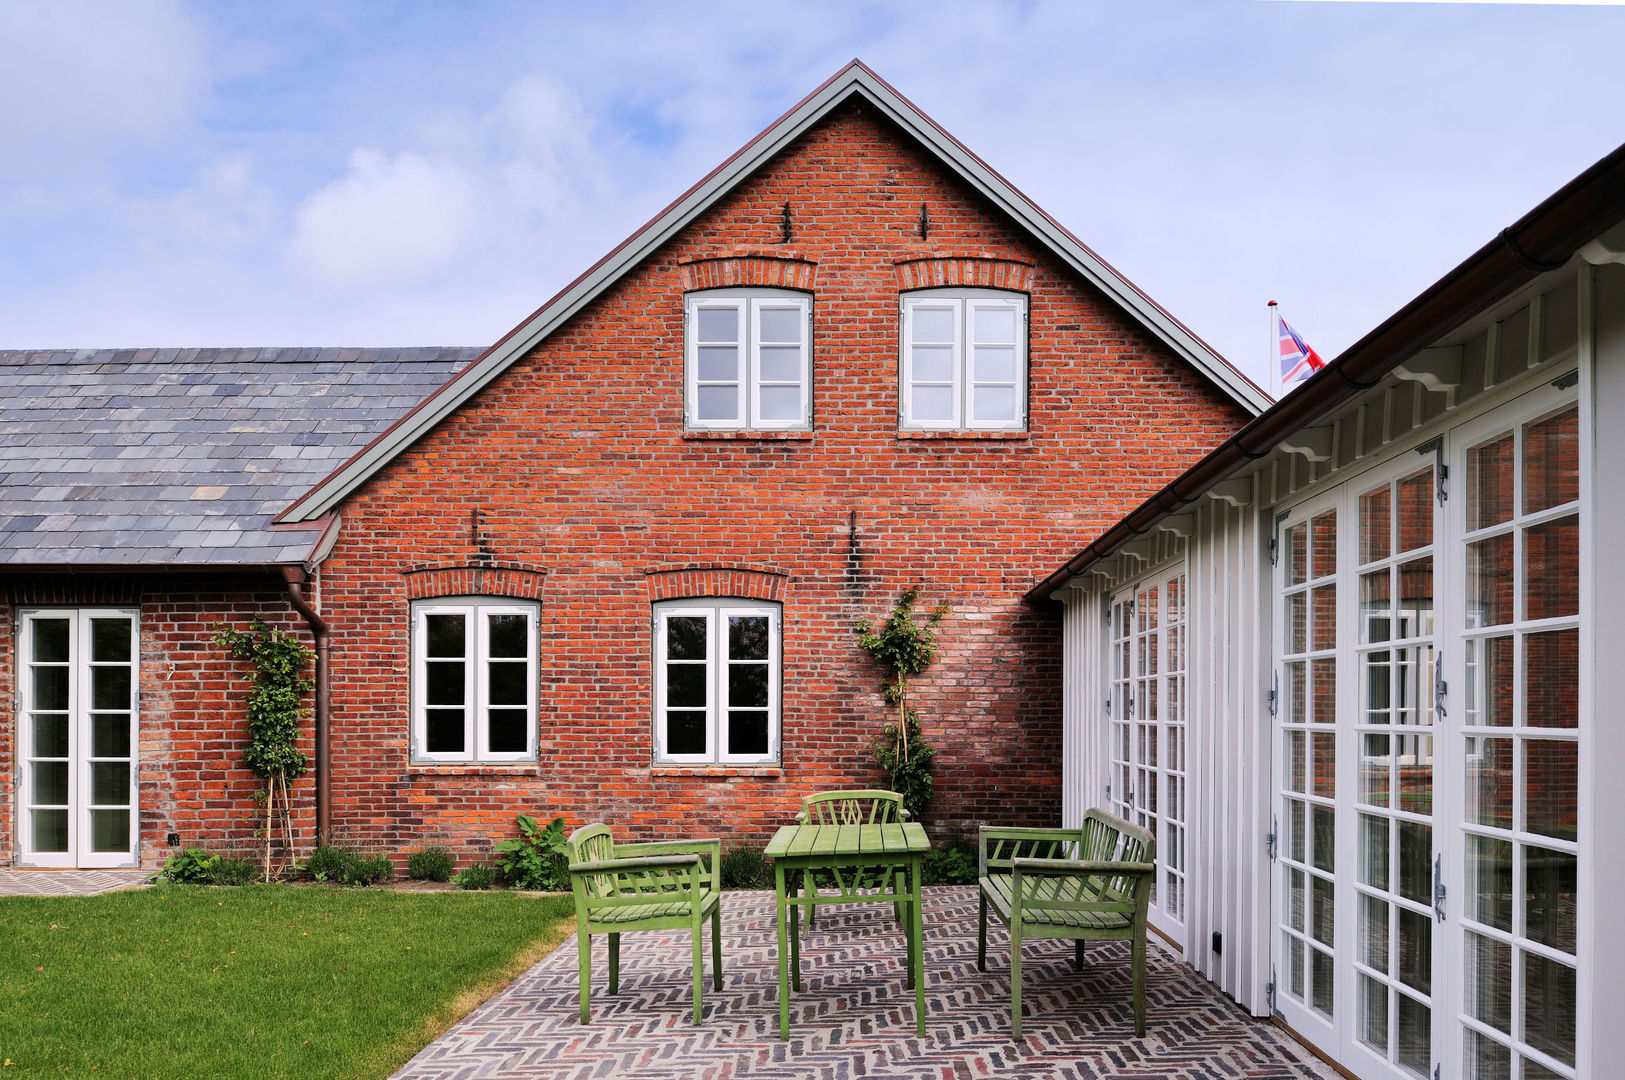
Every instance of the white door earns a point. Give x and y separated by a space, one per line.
77 732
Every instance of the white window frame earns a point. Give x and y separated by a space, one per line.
717 611
748 304
963 303
476 684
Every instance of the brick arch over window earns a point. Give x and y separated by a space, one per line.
757 267
969 270
515 580
682 580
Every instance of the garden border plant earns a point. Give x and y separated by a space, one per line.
905 648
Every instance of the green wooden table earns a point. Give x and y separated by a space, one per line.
841 853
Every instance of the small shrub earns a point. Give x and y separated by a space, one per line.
193 866
745 868
234 872
430 864
369 870
535 859
327 863
476 876
954 863
346 866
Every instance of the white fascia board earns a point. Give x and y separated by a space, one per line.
854 79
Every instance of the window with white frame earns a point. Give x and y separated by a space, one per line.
964 364
716 681
473 680
749 360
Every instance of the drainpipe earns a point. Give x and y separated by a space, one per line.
297 580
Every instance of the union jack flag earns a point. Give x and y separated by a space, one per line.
1298 361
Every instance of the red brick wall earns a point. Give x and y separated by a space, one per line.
190 775
577 463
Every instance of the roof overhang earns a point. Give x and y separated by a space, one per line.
854 80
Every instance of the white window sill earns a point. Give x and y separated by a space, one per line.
717 772
997 436
746 433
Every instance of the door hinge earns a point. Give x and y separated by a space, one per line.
1108 706
1269 993
1274 697
1441 471
1275 539
1438 887
1436 1072
1563 382
1270 841
1440 687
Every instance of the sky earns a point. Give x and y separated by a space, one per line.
329 173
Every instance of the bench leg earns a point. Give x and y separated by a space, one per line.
784 969
716 947
614 963
1139 985
981 931
696 931
1015 976
584 973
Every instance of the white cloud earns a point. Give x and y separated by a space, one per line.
399 219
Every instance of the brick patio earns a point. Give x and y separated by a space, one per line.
70 882
854 1018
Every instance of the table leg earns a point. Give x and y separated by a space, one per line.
795 931
784 956
916 927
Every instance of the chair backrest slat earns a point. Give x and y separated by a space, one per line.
868 806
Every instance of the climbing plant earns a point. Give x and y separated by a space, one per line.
904 646
277 685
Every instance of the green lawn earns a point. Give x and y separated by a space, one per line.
262 981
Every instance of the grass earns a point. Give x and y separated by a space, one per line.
261 981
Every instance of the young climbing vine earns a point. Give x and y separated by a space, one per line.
277 685
904 647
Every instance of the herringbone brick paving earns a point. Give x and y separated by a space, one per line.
854 1018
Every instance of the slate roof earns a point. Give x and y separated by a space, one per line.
183 456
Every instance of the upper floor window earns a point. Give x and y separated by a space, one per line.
749 360
473 680
716 681
964 360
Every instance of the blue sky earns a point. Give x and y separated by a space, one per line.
176 174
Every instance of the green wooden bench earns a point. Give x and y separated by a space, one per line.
1088 883
860 806
661 886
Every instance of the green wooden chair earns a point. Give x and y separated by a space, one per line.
862 806
1087 883
661 886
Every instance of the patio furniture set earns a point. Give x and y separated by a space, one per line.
860 847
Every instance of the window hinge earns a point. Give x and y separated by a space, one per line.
1438 887
1274 696
1270 841
1440 687
1441 471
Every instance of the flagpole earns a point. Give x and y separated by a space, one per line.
1274 352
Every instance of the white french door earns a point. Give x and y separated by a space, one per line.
77 736
1147 730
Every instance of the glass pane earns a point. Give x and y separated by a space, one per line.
780 324
1489 683
1416 774
685 686
748 637
507 731
994 364
444 731
1374 768
932 364
1552 568
1489 782
1416 598
1486 1058
1552 679
933 323
781 405
445 682
1548 1007
718 323
993 404
685 637
508 679
685 733
1489 581
1489 882
1324 673
1374 932
1415 1035
51 688
718 403
1295 966
1415 949
1376 602
50 831
1296 557
1416 511
1551 461
1297 702
110 783
747 686
933 405
447 635
50 783
1376 523
109 830
1322 981
1378 690
993 324
1324 631
510 635
1551 787
1325 764
781 363
1374 851
1325 840
1374 1014
1489 981
1489 483
1549 912
1323 547
1297 832
110 641
747 732
1534 1070
110 688
718 363
51 736
1297 624
1296 899
1416 861
50 644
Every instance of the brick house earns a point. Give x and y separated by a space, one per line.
611 568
